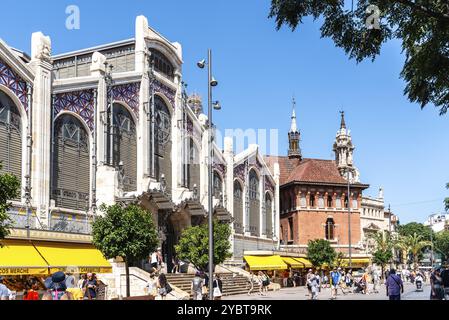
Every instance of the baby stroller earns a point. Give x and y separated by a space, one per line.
359 286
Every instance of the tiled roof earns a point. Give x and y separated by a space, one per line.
306 170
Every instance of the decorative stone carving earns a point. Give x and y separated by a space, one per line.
40 47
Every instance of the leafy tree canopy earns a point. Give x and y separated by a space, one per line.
409 229
319 252
9 189
422 27
193 245
126 232
442 243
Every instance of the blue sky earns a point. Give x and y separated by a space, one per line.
398 146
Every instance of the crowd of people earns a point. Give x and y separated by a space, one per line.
60 286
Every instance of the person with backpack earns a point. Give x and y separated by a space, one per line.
163 287
197 286
335 278
265 282
394 286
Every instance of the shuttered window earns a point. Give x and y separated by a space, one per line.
125 146
10 137
218 186
269 215
238 207
71 165
254 203
193 167
163 142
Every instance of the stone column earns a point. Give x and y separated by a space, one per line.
107 176
177 143
41 125
143 130
229 183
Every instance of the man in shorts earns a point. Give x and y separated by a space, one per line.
335 278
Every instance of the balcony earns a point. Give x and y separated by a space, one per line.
21 221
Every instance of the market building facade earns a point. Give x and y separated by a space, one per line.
114 124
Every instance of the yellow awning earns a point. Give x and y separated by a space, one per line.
293 263
306 262
265 262
356 261
73 258
21 258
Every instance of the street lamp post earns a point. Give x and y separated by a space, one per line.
211 82
349 225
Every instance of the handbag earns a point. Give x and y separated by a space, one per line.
168 288
217 292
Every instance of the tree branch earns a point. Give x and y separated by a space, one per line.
427 11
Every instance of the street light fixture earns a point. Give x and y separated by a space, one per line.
217 105
211 82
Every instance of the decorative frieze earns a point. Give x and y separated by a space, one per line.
129 94
10 79
80 102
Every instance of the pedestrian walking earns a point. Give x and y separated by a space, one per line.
436 285
218 287
251 280
364 281
308 278
394 286
314 282
163 287
4 291
445 278
265 282
376 280
175 262
335 278
260 279
197 286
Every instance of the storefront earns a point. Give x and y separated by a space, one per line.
25 260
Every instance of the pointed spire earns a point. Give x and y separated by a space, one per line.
293 127
343 124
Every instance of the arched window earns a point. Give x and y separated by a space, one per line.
162 64
163 141
268 224
125 146
329 201
71 164
218 186
238 207
10 137
346 201
312 201
330 225
254 203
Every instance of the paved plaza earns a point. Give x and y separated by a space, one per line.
299 293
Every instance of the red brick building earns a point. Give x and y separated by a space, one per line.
314 195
